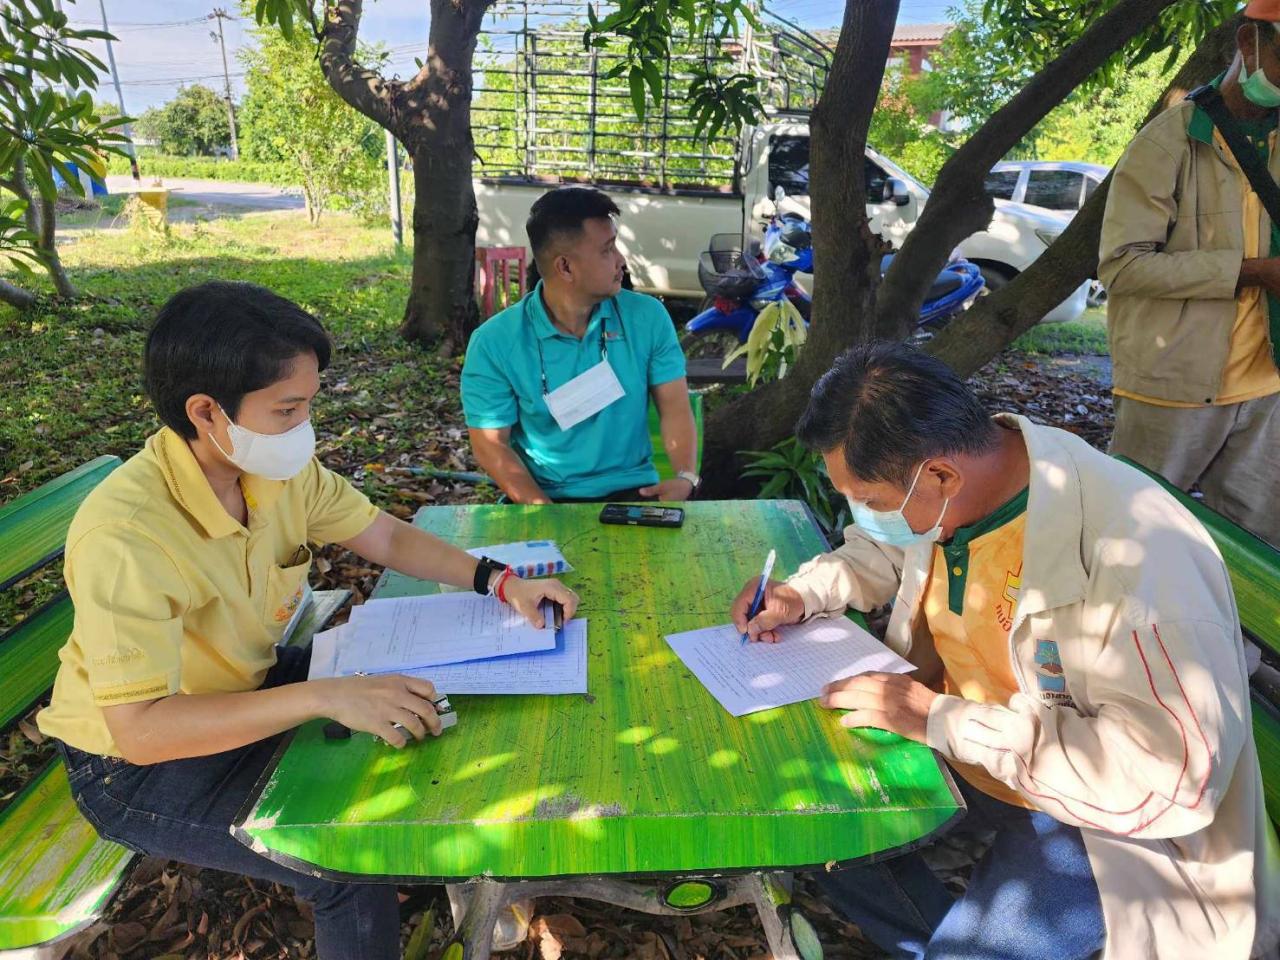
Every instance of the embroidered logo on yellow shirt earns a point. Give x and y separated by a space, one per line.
286 611
1007 605
122 655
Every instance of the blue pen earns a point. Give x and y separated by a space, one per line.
758 601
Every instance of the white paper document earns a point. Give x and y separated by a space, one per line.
560 670
746 678
529 558
407 632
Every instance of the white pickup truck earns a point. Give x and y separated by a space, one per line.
662 231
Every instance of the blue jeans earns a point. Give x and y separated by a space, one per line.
1031 896
183 810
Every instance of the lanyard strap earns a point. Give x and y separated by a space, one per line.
1208 99
604 347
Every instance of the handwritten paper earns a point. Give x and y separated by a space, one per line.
760 676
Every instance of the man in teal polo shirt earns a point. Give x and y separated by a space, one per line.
556 388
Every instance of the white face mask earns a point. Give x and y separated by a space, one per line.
276 456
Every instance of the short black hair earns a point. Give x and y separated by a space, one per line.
562 212
224 339
889 406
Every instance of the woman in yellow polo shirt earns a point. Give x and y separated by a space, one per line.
185 567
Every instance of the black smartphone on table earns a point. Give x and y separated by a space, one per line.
635 515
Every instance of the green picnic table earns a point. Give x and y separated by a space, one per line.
644 792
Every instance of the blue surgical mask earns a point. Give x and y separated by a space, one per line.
1255 86
890 527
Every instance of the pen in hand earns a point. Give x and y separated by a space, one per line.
757 602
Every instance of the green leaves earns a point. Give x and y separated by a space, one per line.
281 13
292 118
194 122
773 344
791 472
48 120
717 103
16 241
1040 29
636 81
720 98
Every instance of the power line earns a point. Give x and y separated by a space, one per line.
160 81
134 25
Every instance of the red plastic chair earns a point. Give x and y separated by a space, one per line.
493 277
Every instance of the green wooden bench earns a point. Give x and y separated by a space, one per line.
56 874
1254 567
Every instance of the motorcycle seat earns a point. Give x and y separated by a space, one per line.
948 281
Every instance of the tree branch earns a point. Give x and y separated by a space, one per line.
974 337
959 206
16 296
464 20
364 89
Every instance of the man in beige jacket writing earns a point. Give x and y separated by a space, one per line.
1191 262
1079 668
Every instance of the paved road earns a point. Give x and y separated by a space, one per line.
214 196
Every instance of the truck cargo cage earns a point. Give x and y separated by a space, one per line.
543 109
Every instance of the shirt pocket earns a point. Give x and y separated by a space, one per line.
286 587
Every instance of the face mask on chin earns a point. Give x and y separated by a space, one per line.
1256 87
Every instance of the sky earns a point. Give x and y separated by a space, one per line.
165 43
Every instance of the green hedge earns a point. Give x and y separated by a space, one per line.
204 168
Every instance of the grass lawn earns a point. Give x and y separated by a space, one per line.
71 374
1088 335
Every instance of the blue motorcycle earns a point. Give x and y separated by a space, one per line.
739 284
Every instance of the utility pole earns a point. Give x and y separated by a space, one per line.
115 78
393 182
219 14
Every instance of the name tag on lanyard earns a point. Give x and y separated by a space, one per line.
585 395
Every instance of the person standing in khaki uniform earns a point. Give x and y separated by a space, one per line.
1191 262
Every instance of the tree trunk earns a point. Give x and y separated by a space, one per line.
431 116
41 219
844 246
49 248
850 304
441 305
994 322
436 130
